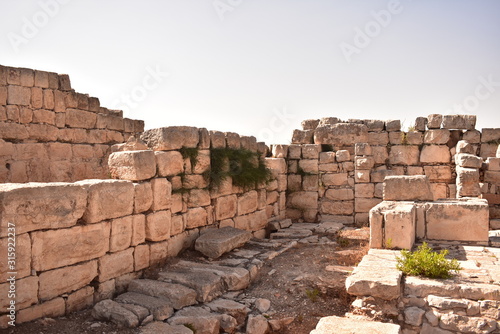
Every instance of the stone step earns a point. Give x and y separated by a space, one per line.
291 234
115 312
338 325
203 321
158 307
216 242
178 295
157 327
230 307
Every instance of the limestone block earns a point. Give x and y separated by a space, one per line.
414 316
487 150
472 136
439 190
339 179
468 160
141 257
225 207
420 123
198 197
393 223
202 162
18 95
132 165
162 194
461 122
247 203
434 121
169 163
380 154
362 149
337 208
80 299
414 138
217 139
464 324
171 138
463 220
341 134
196 217
467 182
76 118
311 151
249 143
280 151
158 225
490 134
23 257
438 173
309 166
56 282
138 229
294 151
58 248
310 183
397 138
53 308
194 181
251 222
309 124
158 252
116 264
365 204
404 155
233 140
143 197
276 165
440 136
414 170
407 188
342 155
341 325
36 206
493 164
303 137
343 194
107 199
303 200
492 177
294 182
26 291
329 168
364 190
177 225
463 146
216 242
121 234
378 138
329 121
435 154
393 125
364 162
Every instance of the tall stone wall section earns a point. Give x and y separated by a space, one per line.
49 132
78 243
342 165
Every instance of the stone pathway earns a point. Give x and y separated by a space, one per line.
206 296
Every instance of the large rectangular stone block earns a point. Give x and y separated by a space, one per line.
121 234
36 206
132 165
462 220
18 95
438 173
169 163
460 122
341 134
337 207
365 204
247 203
171 138
26 293
435 154
107 199
158 225
56 282
404 155
251 222
59 248
22 256
338 179
225 207
439 137
196 217
393 224
303 200
490 134
143 197
116 264
76 118
407 188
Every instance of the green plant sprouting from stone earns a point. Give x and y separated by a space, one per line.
313 294
427 263
246 168
191 154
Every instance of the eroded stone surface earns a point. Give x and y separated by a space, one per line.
216 242
338 325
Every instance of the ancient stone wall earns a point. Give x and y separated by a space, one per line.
49 132
337 167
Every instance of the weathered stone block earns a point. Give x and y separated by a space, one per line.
198 197
40 206
309 166
362 149
116 264
472 136
58 248
310 183
397 137
490 135
492 177
407 188
280 151
247 203
141 257
339 179
434 121
162 194
340 325
309 124
460 122
468 160
342 155
365 190
26 291
364 162
404 155
467 182
132 165
463 146
414 138
143 197
158 225
53 308
169 163
107 199
343 194
196 217
341 134
365 204
465 220
76 118
251 222
420 123
202 162
138 229
56 282
337 208
225 207
493 164
121 234
302 137
311 151
80 299
437 136
276 165
435 154
171 138
393 125
438 173
23 257
488 150
380 154
18 95
216 242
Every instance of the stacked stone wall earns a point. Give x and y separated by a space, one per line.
344 163
49 132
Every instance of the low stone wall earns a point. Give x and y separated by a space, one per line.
49 132
78 243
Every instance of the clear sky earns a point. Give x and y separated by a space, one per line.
260 67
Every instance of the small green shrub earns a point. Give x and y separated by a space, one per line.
313 294
191 153
427 263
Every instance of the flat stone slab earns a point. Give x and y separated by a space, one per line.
338 325
234 309
216 242
178 295
162 327
159 308
115 312
203 321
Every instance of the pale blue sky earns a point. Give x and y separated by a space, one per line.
235 65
